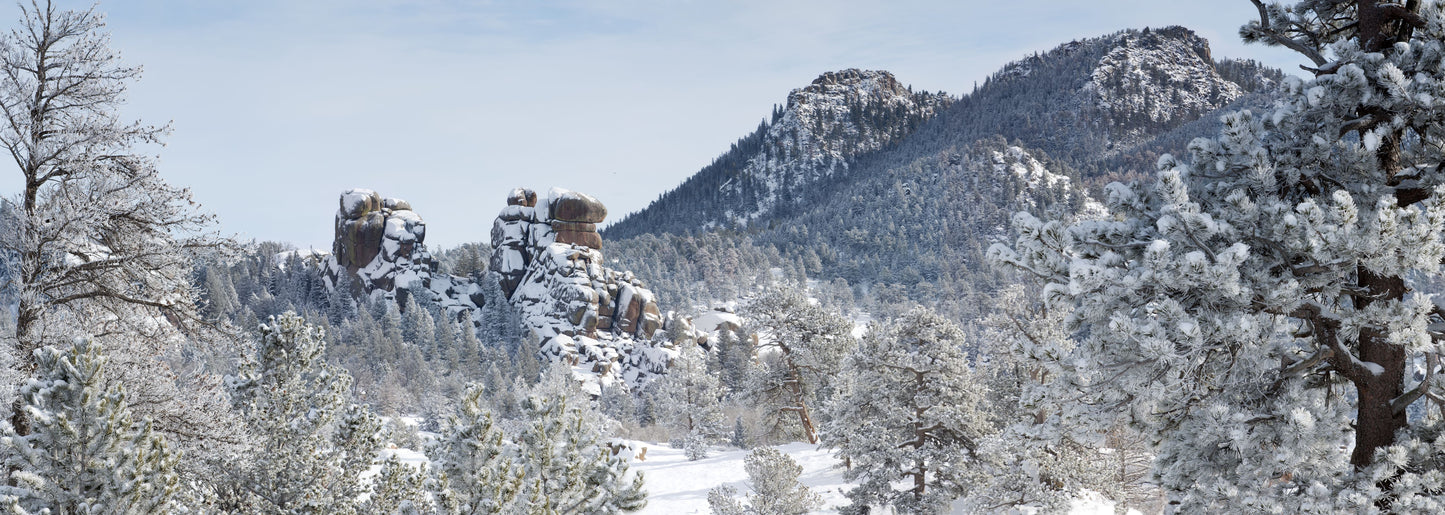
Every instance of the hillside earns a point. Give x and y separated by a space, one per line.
914 215
814 138
1084 102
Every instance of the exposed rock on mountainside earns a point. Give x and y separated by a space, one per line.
1097 98
838 116
379 247
546 255
1158 77
812 138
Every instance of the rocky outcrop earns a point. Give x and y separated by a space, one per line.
812 139
380 247
1158 77
547 256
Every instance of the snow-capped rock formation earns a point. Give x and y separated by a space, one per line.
840 115
1124 98
814 137
380 247
1159 77
546 254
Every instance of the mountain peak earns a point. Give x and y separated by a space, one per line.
1158 77
853 78
824 126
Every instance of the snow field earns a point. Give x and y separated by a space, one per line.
676 486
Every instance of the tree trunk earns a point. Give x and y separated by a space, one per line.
919 481
804 416
920 435
1376 421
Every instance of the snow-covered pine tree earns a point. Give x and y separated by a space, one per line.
400 489
84 453
472 464
730 356
800 350
1028 461
1256 312
311 443
776 490
567 465
690 400
916 416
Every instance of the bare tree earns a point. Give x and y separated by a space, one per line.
97 243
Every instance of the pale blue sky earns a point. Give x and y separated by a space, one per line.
279 105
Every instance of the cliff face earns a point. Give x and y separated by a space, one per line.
1158 77
379 247
547 256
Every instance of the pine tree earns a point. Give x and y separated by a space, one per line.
917 415
1028 461
311 444
801 349
733 353
1256 312
776 490
398 489
84 454
472 463
690 398
567 465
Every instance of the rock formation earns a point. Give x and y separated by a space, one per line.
547 255
380 247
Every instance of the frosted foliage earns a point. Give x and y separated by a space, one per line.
568 469
689 397
97 242
914 418
1028 461
800 352
475 470
86 453
398 489
296 406
1237 310
776 490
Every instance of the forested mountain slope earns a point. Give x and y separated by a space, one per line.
914 215
1083 102
813 139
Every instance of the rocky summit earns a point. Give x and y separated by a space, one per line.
548 260
380 248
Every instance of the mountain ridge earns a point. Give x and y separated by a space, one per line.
1103 99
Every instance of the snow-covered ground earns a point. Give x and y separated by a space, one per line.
676 486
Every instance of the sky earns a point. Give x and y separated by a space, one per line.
278 106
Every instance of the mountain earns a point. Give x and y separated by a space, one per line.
811 139
1085 102
903 217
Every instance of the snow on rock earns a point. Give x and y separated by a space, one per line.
715 319
1157 77
838 116
380 247
546 254
1039 182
